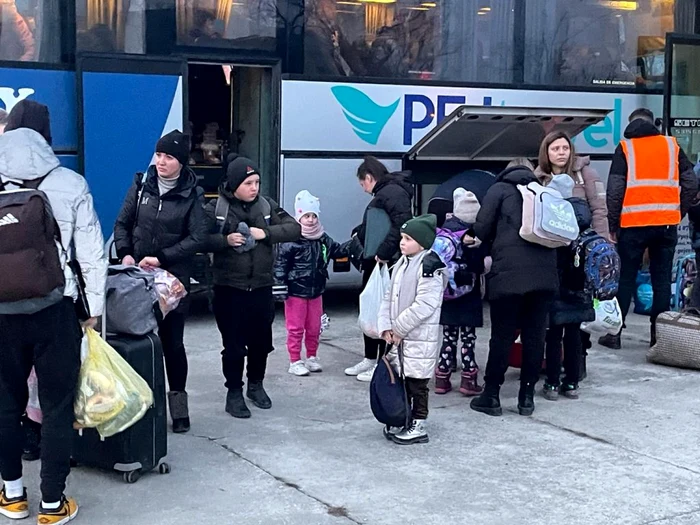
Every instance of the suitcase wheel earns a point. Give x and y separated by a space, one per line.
132 477
164 468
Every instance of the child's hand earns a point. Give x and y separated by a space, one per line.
387 336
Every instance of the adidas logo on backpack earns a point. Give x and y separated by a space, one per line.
9 219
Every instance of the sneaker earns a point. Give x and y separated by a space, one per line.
297 368
63 514
550 392
412 435
360 367
390 432
14 508
611 341
366 377
313 364
569 390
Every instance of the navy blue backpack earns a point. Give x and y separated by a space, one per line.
387 394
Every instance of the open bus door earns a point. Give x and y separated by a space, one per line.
681 117
487 138
125 103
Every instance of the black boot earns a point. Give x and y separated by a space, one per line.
611 341
179 411
526 399
235 404
31 450
256 393
488 402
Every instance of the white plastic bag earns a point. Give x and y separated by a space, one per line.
371 301
608 318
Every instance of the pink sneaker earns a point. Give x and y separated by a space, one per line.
469 386
442 383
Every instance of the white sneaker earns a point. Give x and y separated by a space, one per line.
390 432
416 433
366 377
360 367
298 369
313 364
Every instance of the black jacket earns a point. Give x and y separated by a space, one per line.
171 227
303 265
392 195
518 266
467 310
253 269
617 179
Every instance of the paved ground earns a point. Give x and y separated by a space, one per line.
625 453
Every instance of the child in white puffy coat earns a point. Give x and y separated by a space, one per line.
410 319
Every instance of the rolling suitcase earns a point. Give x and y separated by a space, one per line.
142 447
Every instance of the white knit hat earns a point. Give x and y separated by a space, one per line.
466 205
305 203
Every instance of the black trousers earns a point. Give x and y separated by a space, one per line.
245 321
418 393
661 242
50 341
573 348
171 331
529 313
374 348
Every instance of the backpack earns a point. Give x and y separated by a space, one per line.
387 394
548 219
600 263
30 251
686 273
448 246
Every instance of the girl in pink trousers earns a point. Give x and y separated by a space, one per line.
303 267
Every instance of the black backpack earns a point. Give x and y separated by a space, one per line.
387 394
29 251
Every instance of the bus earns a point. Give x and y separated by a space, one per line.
307 88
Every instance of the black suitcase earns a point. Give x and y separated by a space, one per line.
141 448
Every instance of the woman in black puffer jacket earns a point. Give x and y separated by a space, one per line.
162 224
521 287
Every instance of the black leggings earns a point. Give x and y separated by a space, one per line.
374 348
571 335
172 332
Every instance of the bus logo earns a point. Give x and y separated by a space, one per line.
366 117
8 98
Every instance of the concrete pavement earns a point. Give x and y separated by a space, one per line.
625 453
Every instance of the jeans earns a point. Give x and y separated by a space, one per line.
245 321
418 394
571 334
528 312
661 242
50 341
171 331
303 320
374 348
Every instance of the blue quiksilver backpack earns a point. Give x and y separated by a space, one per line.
448 246
601 264
387 394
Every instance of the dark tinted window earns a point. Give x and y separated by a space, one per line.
30 30
111 26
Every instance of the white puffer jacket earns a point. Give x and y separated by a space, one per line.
411 309
26 156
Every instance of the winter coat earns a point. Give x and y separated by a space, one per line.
694 219
252 269
617 179
16 39
303 265
589 187
467 310
394 197
171 227
26 156
519 266
411 309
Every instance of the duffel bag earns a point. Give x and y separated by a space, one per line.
131 296
677 340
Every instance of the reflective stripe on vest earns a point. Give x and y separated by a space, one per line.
652 197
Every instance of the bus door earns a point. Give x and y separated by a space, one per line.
125 103
682 93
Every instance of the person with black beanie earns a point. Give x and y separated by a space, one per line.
162 225
245 226
32 115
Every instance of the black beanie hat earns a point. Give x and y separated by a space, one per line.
238 170
176 144
422 230
30 114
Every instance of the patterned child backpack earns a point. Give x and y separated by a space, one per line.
686 273
601 264
448 246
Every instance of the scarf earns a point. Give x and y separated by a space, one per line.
312 233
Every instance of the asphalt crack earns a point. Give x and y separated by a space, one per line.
670 517
332 510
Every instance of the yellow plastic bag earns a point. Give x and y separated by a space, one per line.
111 396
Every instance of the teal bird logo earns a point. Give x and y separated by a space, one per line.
366 117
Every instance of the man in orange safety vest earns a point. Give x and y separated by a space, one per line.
651 186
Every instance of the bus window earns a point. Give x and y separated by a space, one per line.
111 26
29 30
250 24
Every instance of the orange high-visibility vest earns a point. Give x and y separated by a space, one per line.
653 194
